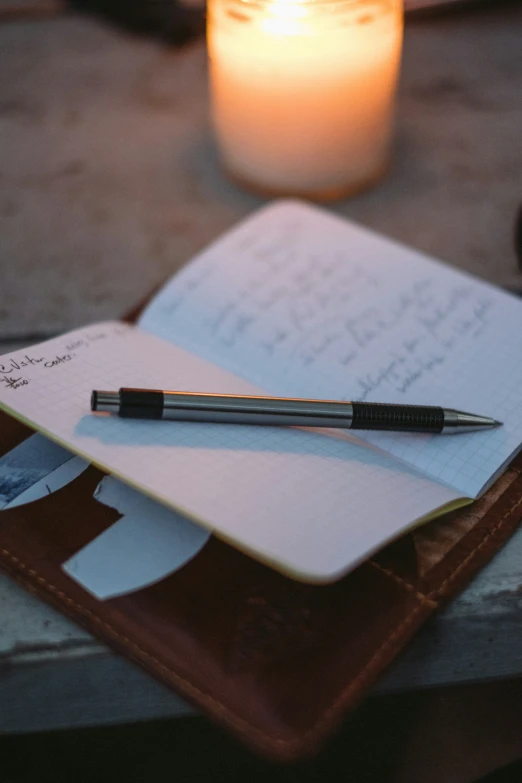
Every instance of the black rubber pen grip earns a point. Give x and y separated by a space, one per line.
141 404
402 418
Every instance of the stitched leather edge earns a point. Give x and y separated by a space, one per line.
261 738
234 719
440 591
515 473
400 581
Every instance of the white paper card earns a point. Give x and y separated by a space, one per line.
36 468
147 544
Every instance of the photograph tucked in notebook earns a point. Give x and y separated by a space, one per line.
293 302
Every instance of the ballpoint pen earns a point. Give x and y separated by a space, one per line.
287 411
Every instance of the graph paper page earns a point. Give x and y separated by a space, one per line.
310 504
305 304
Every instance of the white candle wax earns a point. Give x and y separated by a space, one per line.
303 93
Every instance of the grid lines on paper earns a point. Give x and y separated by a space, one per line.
480 369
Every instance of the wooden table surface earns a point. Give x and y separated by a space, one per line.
109 183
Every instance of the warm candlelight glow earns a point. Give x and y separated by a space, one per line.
303 90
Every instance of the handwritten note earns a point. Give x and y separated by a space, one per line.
302 303
16 372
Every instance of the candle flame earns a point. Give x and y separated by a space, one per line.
284 17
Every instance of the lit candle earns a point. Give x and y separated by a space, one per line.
303 91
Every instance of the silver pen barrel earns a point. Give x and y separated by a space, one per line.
232 409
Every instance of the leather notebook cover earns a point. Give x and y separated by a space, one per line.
275 661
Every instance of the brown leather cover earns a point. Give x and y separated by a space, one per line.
277 662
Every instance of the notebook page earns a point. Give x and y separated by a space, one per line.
308 503
303 303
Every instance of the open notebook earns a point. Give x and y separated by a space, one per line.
293 302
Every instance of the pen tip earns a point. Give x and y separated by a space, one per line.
497 423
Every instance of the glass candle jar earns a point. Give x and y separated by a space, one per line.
303 92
